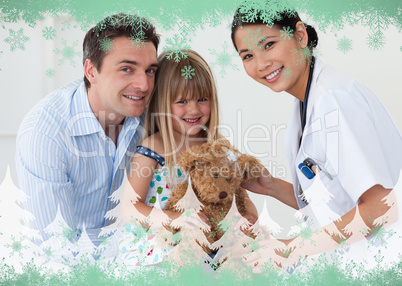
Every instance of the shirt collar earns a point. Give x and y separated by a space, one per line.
82 120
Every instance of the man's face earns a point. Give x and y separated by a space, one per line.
125 81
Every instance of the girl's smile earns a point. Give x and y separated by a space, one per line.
190 115
192 121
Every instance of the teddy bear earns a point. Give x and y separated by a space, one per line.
216 170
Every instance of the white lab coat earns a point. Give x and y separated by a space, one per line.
350 135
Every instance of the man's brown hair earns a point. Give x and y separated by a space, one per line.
99 40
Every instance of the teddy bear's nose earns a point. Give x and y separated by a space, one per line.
223 195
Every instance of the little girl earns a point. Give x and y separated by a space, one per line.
182 113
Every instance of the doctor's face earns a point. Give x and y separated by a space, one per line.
275 57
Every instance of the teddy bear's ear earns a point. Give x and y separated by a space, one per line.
189 160
249 168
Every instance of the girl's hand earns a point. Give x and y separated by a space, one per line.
246 227
250 217
267 185
204 218
191 222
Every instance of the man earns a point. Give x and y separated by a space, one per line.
74 146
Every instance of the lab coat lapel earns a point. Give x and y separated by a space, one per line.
318 67
292 136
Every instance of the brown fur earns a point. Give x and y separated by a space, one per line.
211 173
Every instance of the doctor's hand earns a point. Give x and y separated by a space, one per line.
262 185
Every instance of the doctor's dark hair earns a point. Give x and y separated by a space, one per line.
284 19
99 39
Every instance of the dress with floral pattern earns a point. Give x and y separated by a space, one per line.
138 245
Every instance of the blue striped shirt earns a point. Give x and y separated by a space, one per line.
65 160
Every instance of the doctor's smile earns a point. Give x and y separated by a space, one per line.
274 75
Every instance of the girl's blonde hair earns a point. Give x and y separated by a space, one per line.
171 81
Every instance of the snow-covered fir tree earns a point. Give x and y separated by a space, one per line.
125 211
121 217
17 239
357 229
265 221
86 249
60 247
231 246
190 241
318 209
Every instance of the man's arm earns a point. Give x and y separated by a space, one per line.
42 175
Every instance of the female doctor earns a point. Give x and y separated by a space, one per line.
344 150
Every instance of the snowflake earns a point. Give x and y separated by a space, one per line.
176 238
305 54
48 33
50 72
137 42
223 59
177 48
68 52
67 233
375 40
188 213
379 258
379 234
254 245
344 45
287 72
106 45
13 16
188 72
139 231
30 16
378 20
287 33
213 18
17 246
254 39
48 252
139 23
268 11
305 232
186 28
16 39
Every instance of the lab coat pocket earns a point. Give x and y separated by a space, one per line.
320 197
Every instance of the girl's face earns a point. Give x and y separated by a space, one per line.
275 58
190 115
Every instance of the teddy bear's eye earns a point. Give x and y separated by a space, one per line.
215 175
